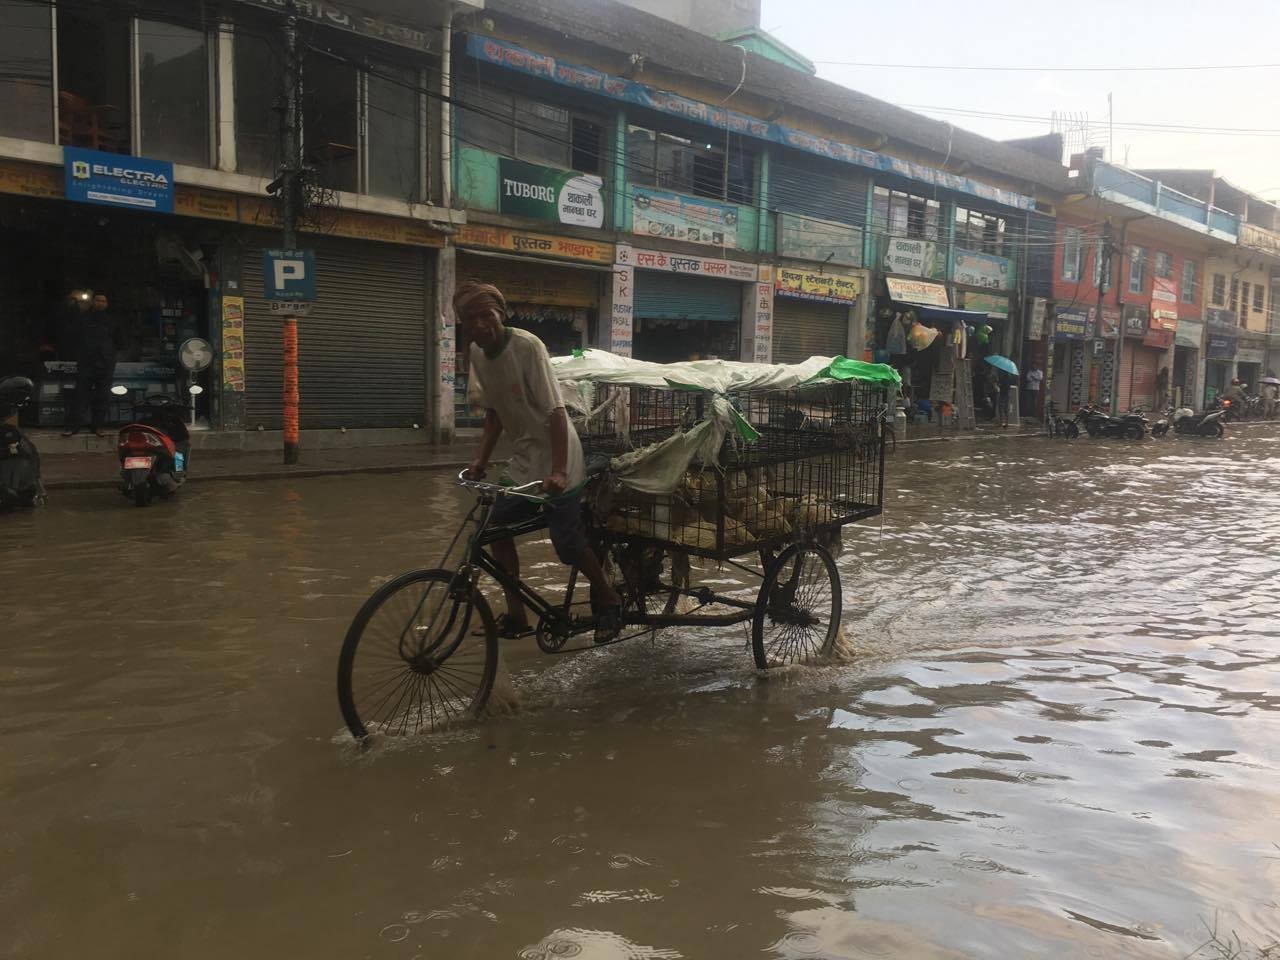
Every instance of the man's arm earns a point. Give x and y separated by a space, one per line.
558 479
489 440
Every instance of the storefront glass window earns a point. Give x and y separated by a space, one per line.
94 79
1164 265
984 232
905 215
26 78
1072 252
173 83
258 76
668 161
1188 281
1137 269
393 126
529 129
329 120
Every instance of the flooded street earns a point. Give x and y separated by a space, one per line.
1058 737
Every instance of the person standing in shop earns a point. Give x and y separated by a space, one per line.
1035 379
95 352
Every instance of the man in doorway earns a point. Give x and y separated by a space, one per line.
1035 379
1270 400
1162 389
95 352
511 377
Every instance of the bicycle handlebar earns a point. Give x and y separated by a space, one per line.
499 490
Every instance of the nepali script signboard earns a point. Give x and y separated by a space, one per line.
656 213
682 263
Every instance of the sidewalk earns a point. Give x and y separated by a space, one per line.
65 471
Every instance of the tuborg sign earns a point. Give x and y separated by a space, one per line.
545 193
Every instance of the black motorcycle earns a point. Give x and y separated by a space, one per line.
1098 423
1187 422
20 485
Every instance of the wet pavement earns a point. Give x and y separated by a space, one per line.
1056 737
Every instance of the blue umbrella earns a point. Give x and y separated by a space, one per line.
1003 363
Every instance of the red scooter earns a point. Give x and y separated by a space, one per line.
154 449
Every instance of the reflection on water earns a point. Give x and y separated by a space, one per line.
1057 736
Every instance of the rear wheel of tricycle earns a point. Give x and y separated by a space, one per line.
420 655
797 616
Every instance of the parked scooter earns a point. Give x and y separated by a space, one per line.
154 450
1187 422
20 485
1099 423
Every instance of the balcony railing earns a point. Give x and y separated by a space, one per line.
1151 196
1260 238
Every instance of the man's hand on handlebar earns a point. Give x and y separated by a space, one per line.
555 482
476 470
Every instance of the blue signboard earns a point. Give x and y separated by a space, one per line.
289 275
1221 348
1073 325
117 180
513 57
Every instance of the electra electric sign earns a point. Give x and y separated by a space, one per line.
114 180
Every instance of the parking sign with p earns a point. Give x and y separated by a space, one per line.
289 276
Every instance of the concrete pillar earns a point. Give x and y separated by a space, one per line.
442 331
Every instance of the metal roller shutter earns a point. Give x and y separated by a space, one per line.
1146 362
804 329
662 296
361 352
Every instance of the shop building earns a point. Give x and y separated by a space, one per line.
135 159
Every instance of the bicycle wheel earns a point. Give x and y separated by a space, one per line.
420 666
797 615
637 572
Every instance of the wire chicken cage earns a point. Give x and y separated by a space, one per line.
793 464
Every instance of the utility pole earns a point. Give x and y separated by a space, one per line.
1115 372
1104 284
291 187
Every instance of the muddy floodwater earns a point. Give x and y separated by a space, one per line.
1058 736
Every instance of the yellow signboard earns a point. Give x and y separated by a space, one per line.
233 343
31 180
822 287
535 244
344 223
190 202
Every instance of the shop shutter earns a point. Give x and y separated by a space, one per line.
361 352
1146 364
813 189
661 296
1125 383
804 329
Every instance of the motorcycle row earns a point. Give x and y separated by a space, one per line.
153 450
1097 422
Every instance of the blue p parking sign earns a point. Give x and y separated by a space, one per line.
289 275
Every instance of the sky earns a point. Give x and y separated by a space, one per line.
1083 33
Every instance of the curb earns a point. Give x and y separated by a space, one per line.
304 473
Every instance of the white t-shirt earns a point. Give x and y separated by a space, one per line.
520 387
1033 380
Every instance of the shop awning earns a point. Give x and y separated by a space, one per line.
950 314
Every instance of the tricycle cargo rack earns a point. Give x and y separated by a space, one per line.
754 465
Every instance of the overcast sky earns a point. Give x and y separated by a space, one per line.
1083 33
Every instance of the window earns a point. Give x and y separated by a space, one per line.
668 161
26 71
1244 302
1164 265
329 121
1072 252
1259 293
1189 291
258 82
517 126
173 92
392 150
94 79
904 215
1234 305
1219 295
985 232
1137 269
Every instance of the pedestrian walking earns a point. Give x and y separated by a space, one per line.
1162 388
1004 388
